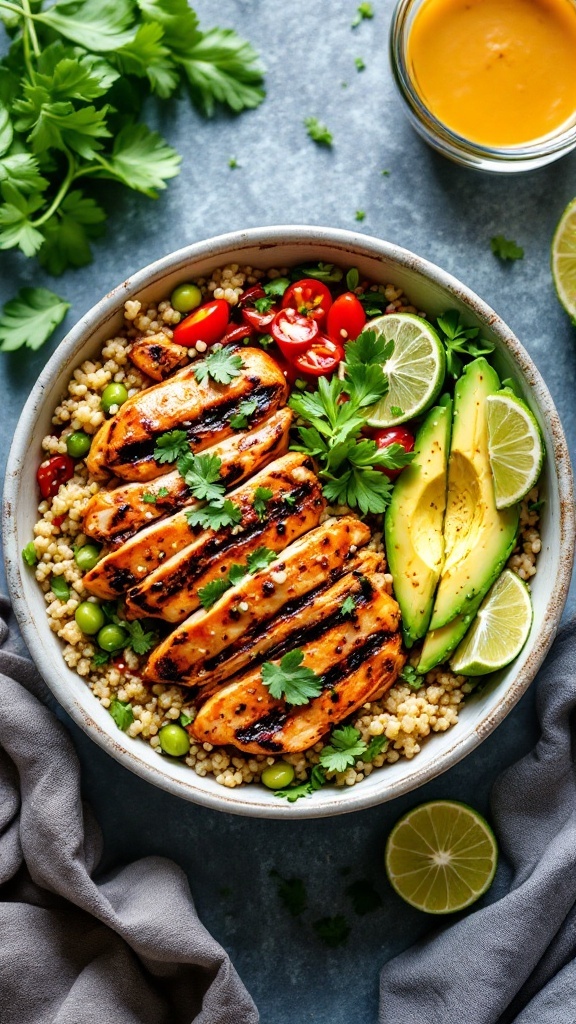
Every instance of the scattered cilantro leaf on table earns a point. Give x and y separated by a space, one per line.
292 892
291 680
360 215
346 745
171 446
318 132
262 496
122 713
233 163
215 517
333 931
364 10
360 65
506 249
364 896
30 318
221 365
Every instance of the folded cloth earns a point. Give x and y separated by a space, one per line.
124 949
515 960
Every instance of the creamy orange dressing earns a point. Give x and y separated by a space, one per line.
497 72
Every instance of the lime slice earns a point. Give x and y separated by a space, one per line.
441 856
563 259
515 447
499 630
415 369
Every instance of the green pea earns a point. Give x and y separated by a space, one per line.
114 394
185 298
89 618
78 444
112 638
87 556
278 776
174 740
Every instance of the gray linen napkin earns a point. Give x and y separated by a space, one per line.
515 960
125 949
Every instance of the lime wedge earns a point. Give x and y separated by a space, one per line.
515 447
563 259
441 856
415 369
499 630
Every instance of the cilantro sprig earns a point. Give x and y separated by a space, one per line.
171 445
215 517
221 364
31 317
319 133
506 248
256 560
240 419
291 680
345 747
261 498
201 474
460 342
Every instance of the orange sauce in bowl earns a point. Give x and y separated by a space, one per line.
497 72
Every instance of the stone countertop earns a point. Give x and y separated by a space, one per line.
438 210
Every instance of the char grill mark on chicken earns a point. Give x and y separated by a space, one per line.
112 516
124 445
215 644
171 591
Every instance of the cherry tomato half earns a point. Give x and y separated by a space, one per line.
309 297
54 471
259 321
207 323
321 358
293 332
248 298
236 333
393 435
346 318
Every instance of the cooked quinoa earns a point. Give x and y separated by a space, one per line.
403 715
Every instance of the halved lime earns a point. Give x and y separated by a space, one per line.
415 369
563 259
499 630
515 447
441 856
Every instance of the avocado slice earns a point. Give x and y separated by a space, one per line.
414 521
440 643
478 538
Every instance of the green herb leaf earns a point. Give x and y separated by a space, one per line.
171 446
364 896
246 408
142 160
348 606
215 517
360 65
396 410
121 712
146 57
97 25
291 680
262 495
346 745
29 554
260 559
394 456
364 10
277 286
233 163
16 226
221 364
149 498
319 133
315 782
327 272
376 746
264 305
236 574
333 931
140 640
352 279
292 892
201 474
30 318
460 341
223 68
67 233
505 248
100 658
185 720
360 215
412 677
60 588
212 592
289 500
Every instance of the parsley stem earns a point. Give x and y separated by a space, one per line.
30 28
59 195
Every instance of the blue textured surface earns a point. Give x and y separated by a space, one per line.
441 212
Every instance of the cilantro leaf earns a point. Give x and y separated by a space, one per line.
149 498
223 68
369 349
67 233
171 446
215 517
146 56
366 489
315 782
6 130
291 680
365 898
122 713
264 305
140 640
260 559
277 286
292 892
345 747
412 677
352 279
327 272
22 171
333 931
141 159
97 25
201 474
262 495
60 588
100 658
393 456
221 364
460 341
212 592
348 606
240 419
30 317
319 133
377 745
236 574
364 10
29 554
360 65
16 225
505 248
360 215
185 720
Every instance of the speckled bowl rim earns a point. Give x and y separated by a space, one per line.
126 751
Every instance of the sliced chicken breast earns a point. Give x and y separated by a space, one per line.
158 356
251 617
357 660
125 444
113 515
171 591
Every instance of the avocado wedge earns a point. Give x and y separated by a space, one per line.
440 643
414 522
478 538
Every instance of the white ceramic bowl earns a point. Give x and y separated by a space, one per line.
430 289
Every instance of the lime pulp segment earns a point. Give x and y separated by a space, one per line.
441 857
515 448
563 259
499 630
415 369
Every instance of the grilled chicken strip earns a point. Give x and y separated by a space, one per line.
150 548
358 659
214 644
171 591
125 444
112 516
157 356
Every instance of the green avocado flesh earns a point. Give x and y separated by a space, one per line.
440 643
413 525
478 538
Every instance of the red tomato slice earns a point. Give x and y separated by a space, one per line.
207 323
293 332
234 333
251 294
259 321
54 471
309 297
321 358
393 435
346 318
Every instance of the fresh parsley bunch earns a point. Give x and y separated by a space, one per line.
71 93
